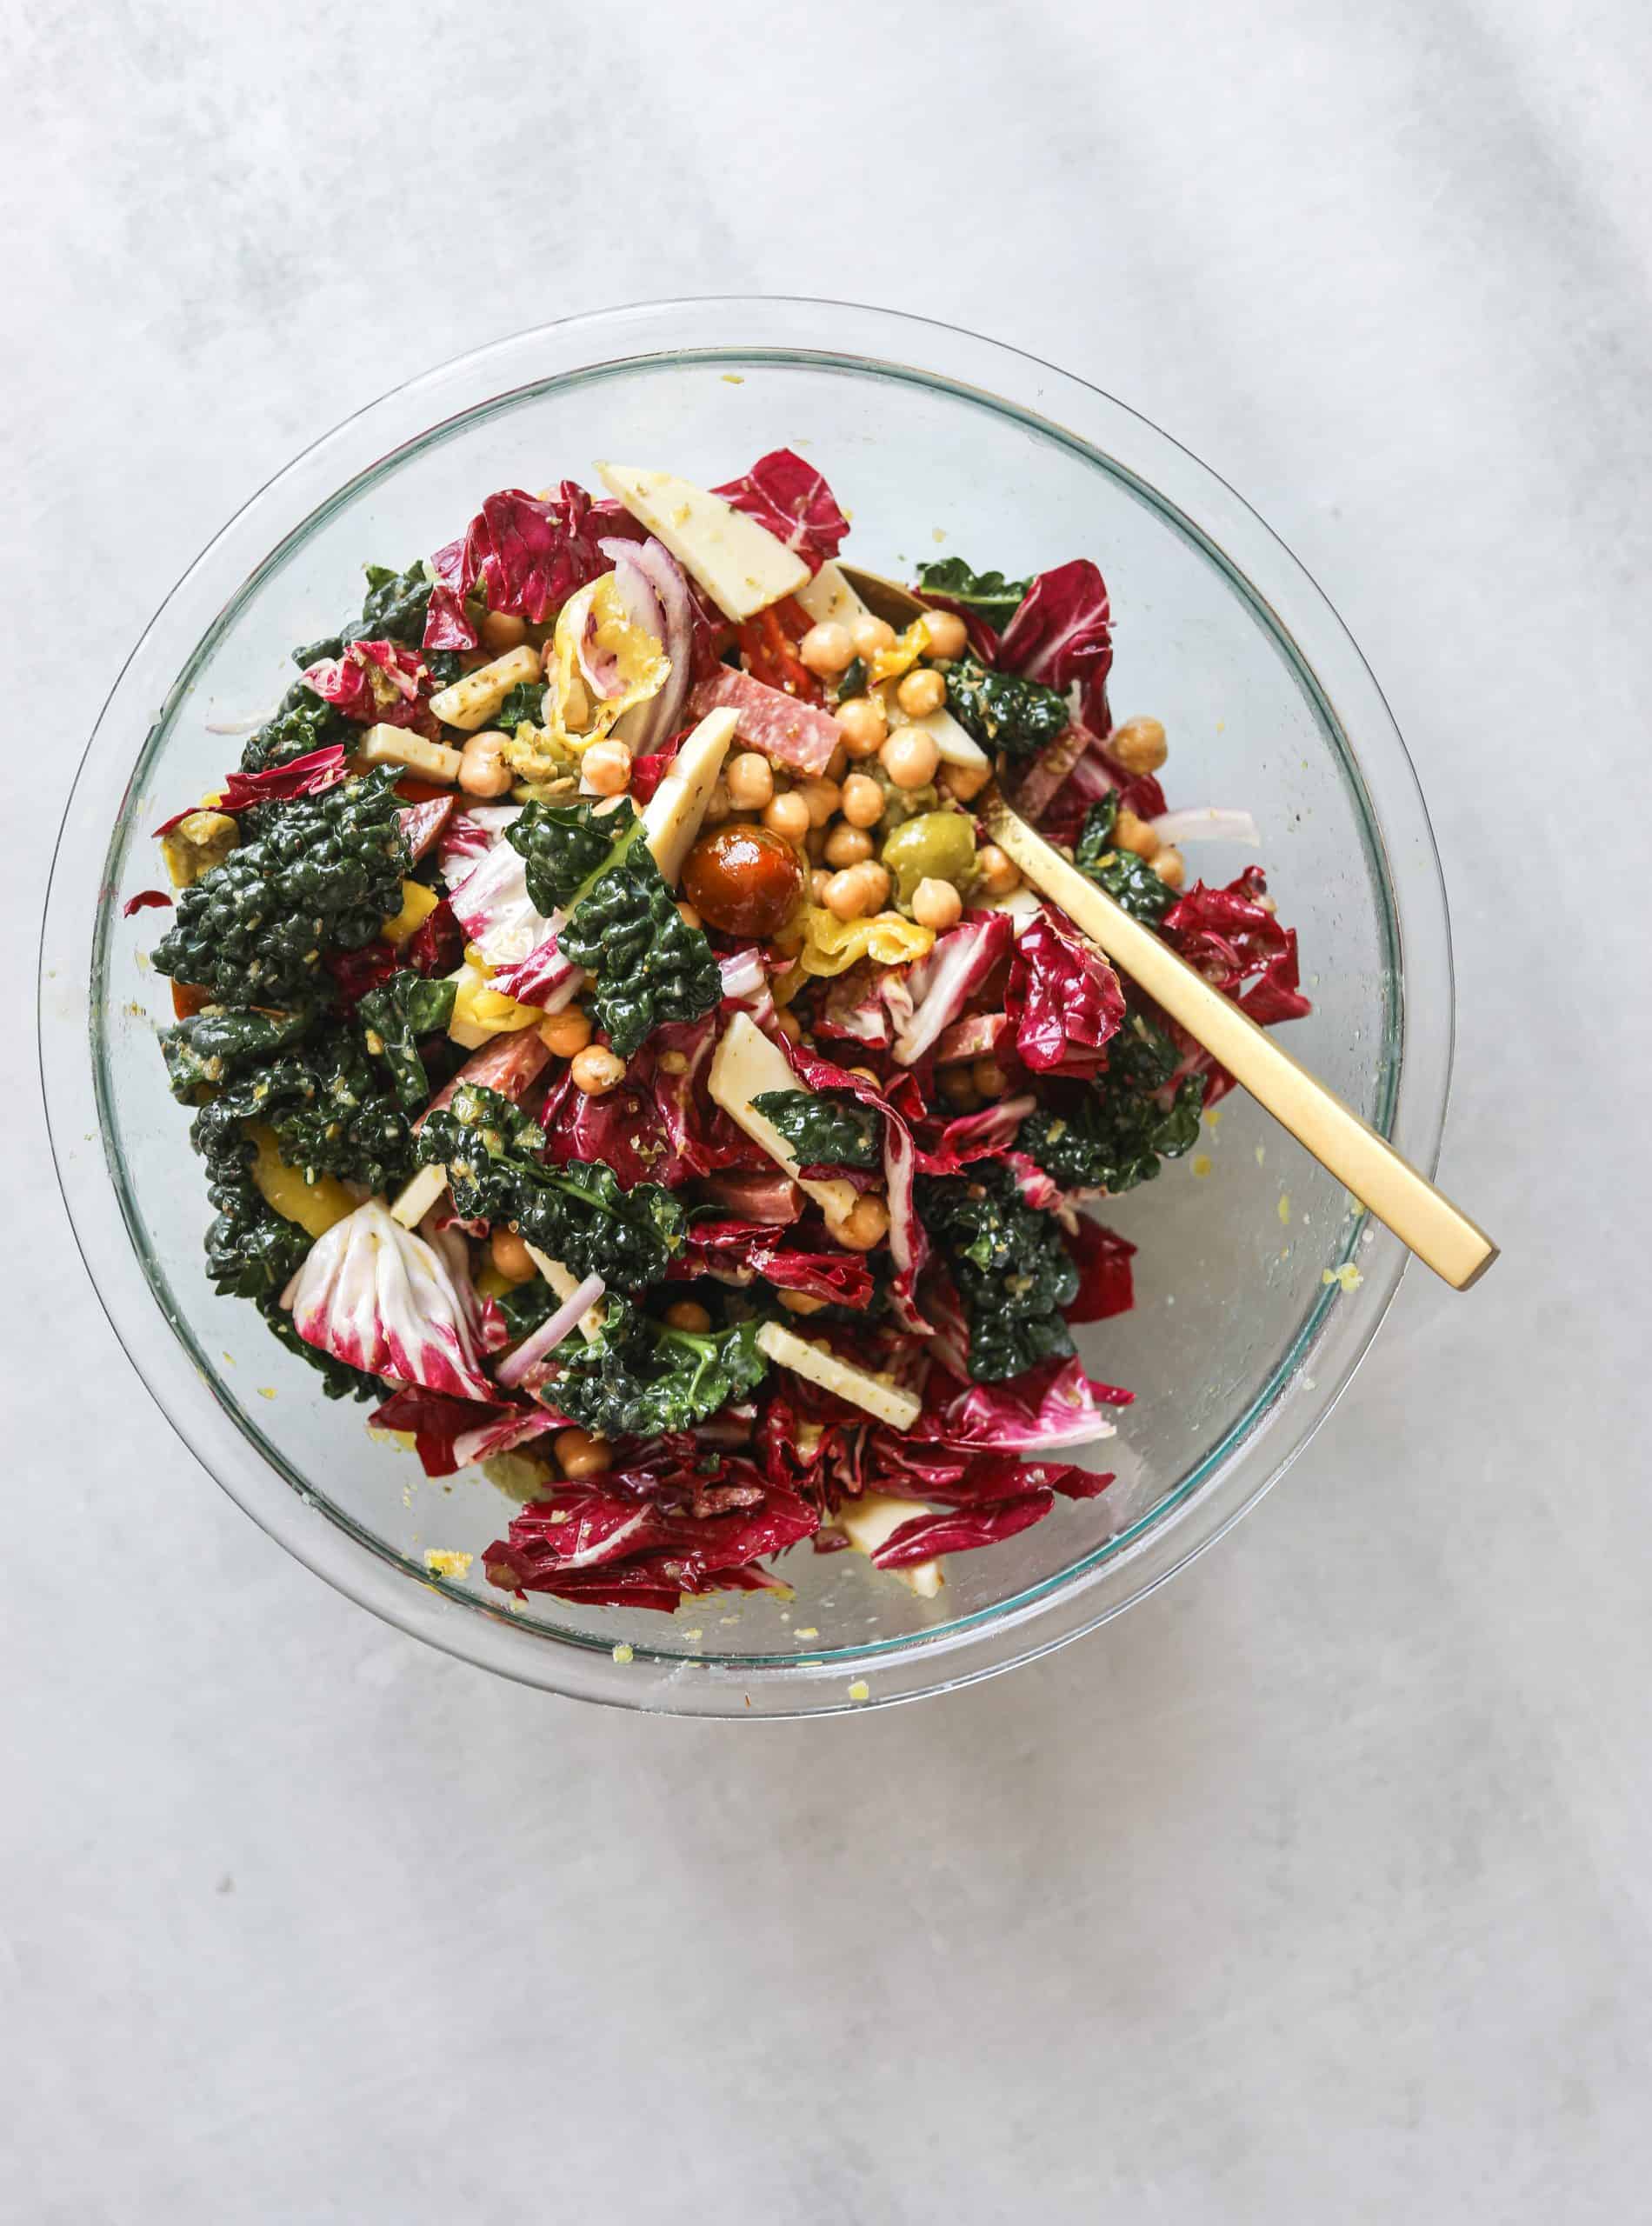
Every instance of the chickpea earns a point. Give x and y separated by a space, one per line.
815 844
997 875
564 1033
957 1086
717 806
949 635
689 1314
875 878
848 846
962 783
988 1078
826 648
483 771
848 896
865 724
1170 867
865 1073
800 1302
597 1069
787 815
910 757
823 798
689 916
866 1224
788 1024
607 768
921 692
862 803
868 636
502 630
580 1455
511 1256
1139 745
936 904
817 881
1130 833
750 780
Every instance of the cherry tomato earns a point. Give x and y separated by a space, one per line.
745 881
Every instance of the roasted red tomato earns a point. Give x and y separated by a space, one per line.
745 881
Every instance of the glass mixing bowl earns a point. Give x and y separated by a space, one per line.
1243 1332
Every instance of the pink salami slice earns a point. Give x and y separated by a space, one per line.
507 1063
792 733
422 822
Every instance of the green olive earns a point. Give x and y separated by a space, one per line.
936 846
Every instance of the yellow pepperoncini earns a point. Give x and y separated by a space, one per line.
481 1011
417 904
828 945
315 1206
640 668
902 654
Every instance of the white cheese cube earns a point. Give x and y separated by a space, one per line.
420 1195
475 696
387 745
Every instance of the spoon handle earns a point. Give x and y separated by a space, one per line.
1421 1216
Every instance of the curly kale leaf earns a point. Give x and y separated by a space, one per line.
650 965
1012 1270
338 1379
565 846
644 1378
1127 879
1113 1133
303 722
251 1250
576 1213
395 609
217 1042
323 875
986 595
1003 712
393 1017
526 1305
824 1129
523 706
328 1106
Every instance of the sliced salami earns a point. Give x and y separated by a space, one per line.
422 823
792 733
508 1063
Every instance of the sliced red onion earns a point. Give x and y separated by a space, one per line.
550 1333
743 973
1206 824
649 723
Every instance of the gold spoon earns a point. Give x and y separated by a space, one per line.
1421 1218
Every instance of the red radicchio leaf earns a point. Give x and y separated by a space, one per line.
745 1251
960 1529
305 776
622 1129
900 1104
454 1434
943 982
789 498
944 1148
1106 1286
1234 941
436 945
355 972
1063 997
1061 635
528 554
374 683
1050 1406
648 772
143 900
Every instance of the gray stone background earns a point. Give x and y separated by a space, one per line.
1316 1888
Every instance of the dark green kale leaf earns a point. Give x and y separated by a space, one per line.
329 1106
1116 1131
987 595
393 1017
564 846
302 723
650 965
1012 1270
523 706
338 1379
323 875
825 1129
217 1042
526 1305
251 1250
1004 712
1127 879
644 1378
396 607
576 1213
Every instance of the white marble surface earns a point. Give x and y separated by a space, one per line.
1317 1888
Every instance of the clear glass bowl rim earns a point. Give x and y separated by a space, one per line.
1259 1447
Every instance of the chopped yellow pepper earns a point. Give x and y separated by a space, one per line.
417 904
315 1206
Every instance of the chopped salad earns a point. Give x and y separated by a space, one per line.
616 1052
